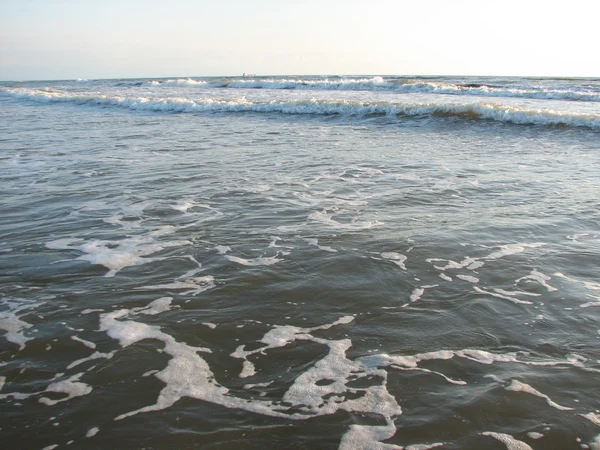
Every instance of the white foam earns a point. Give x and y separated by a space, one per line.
71 387
591 285
259 261
512 249
255 385
14 328
183 206
396 258
212 326
368 437
538 277
479 356
535 435
424 446
495 378
179 82
116 255
592 417
155 307
12 323
419 291
468 262
445 377
510 442
588 304
468 278
18 395
416 294
186 375
315 242
502 296
222 249
84 342
92 432
319 390
595 444
485 357
519 386
88 311
390 85
513 293
2 382
93 356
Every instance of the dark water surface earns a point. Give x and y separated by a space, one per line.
261 280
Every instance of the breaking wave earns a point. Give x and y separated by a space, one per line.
350 108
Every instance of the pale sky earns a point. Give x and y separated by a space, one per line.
66 39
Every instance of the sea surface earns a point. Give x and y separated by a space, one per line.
324 262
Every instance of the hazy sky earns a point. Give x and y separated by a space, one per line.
48 39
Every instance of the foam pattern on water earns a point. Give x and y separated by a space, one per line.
345 276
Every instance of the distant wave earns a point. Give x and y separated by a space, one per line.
180 82
472 111
390 85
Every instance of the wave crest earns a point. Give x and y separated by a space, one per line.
351 108
397 85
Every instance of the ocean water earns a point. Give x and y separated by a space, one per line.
300 263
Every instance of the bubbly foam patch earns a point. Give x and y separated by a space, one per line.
538 277
116 255
396 258
512 249
418 292
592 417
72 387
222 249
12 324
364 437
188 375
424 446
322 389
157 306
469 278
450 264
510 442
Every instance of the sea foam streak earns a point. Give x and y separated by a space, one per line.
352 108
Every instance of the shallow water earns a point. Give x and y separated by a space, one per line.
220 279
